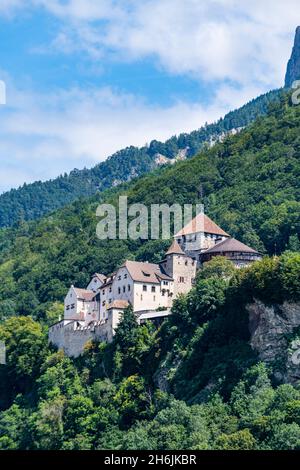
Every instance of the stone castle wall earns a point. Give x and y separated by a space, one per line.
72 337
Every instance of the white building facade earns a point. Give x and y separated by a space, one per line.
150 289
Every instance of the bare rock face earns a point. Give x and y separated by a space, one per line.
275 336
293 68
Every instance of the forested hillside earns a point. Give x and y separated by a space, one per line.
250 187
195 382
35 200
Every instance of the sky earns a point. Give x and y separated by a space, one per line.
85 78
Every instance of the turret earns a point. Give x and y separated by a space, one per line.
180 267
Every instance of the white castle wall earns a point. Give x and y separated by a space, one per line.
71 337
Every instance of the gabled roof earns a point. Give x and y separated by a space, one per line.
230 245
84 294
101 277
108 280
202 223
119 304
146 272
175 249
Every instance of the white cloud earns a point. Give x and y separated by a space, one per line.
216 39
48 134
9 6
244 41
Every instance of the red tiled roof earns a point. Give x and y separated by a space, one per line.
120 304
175 249
202 223
84 294
146 272
230 245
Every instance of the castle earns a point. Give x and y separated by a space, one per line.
94 313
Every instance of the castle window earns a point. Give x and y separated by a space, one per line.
154 298
103 303
186 263
73 306
181 279
68 307
124 288
103 292
145 288
119 290
119 278
110 289
125 276
128 287
165 283
153 289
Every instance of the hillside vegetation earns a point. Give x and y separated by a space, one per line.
193 383
250 186
213 394
32 201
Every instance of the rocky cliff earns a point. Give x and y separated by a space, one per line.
275 336
293 68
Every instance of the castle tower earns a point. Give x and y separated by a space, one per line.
199 235
180 267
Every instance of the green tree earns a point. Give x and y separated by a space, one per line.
240 440
26 347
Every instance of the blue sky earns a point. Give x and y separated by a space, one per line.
85 78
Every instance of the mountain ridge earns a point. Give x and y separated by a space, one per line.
293 67
32 201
